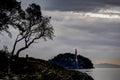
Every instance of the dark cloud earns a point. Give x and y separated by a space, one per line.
79 5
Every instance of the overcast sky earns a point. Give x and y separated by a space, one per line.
90 26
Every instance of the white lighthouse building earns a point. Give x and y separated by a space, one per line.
76 59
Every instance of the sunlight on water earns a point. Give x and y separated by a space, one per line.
103 73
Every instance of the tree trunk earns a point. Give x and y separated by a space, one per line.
13 50
21 49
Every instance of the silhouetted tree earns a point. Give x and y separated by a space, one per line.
7 9
30 23
31 26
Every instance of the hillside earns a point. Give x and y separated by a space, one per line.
37 69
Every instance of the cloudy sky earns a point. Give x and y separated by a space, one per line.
90 26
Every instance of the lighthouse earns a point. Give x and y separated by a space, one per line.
76 59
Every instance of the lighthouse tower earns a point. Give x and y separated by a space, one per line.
76 59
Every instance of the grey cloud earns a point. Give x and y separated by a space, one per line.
95 41
95 28
98 38
72 5
79 5
105 34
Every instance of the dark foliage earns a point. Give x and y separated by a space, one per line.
9 5
67 60
3 61
7 8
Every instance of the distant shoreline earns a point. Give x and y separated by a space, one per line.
106 65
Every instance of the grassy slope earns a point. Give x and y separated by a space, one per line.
43 70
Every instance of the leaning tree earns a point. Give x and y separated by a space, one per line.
31 26
29 23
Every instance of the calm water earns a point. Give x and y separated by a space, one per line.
103 73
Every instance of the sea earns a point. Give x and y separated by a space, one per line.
103 73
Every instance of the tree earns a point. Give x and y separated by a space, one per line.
7 8
30 23
31 26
